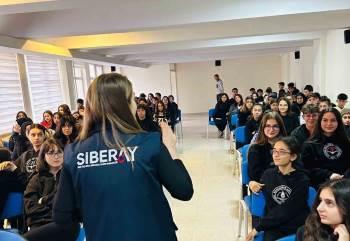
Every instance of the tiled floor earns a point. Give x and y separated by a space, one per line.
212 213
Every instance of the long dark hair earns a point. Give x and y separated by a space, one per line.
244 108
289 112
66 109
261 138
262 112
240 103
339 133
69 121
317 231
21 112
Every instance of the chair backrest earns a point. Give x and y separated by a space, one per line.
240 135
244 152
13 206
244 171
288 238
9 236
312 196
211 115
234 120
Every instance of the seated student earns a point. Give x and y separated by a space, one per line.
150 98
66 131
11 178
40 194
326 155
171 111
80 102
144 119
330 215
56 118
48 120
41 189
260 98
310 116
268 92
281 91
290 119
325 103
27 162
308 89
16 131
300 100
172 102
272 106
345 114
245 111
221 109
64 109
235 105
22 144
292 90
286 191
342 100
253 123
160 113
259 154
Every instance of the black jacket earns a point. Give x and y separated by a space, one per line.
221 108
347 130
286 197
243 117
11 182
26 163
301 134
251 127
148 124
290 122
323 159
41 185
259 159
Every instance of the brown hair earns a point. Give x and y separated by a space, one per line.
48 145
261 138
108 103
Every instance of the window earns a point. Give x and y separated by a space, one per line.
81 85
11 100
44 85
94 71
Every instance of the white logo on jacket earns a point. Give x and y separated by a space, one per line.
106 157
332 151
281 193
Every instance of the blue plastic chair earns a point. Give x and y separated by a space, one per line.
9 236
6 143
13 206
241 135
211 121
178 122
81 236
288 238
234 120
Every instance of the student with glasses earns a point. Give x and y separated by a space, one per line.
259 154
40 192
310 116
285 188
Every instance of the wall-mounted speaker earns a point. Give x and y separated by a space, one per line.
113 69
297 54
347 36
217 62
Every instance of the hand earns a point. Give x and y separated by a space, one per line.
255 186
335 176
16 128
342 232
7 166
251 235
169 139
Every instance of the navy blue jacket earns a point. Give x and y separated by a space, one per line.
118 202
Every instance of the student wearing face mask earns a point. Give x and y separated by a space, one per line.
329 219
290 119
286 191
326 155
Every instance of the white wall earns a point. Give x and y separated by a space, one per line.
337 64
153 79
196 86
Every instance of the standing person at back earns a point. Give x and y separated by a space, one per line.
219 87
115 172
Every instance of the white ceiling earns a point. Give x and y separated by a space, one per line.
146 32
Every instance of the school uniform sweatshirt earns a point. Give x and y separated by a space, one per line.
323 159
119 201
259 159
286 197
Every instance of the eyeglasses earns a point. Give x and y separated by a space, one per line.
54 154
275 127
280 152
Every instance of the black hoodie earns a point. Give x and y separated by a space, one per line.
286 198
323 159
259 159
42 185
26 163
301 134
291 121
251 127
221 109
